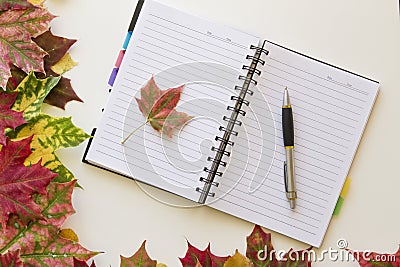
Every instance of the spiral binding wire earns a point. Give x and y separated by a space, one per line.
260 49
241 100
222 163
247 79
262 62
240 88
232 121
225 118
220 139
252 70
225 153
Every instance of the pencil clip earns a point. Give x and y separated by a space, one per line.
285 175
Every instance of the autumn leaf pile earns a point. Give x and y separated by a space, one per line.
194 257
35 187
259 253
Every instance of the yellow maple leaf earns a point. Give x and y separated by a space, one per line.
69 234
65 64
36 2
238 260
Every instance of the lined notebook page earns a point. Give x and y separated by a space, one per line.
330 108
166 38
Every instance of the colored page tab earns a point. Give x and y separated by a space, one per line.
338 207
127 39
113 75
120 58
343 194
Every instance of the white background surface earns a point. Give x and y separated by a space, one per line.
115 216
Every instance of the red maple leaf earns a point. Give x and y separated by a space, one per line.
8 117
18 183
79 263
260 241
57 203
11 259
18 26
12 4
158 107
195 257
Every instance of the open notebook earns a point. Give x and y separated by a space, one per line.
231 154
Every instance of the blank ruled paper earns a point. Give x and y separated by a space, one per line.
330 108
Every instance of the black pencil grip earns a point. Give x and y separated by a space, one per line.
287 127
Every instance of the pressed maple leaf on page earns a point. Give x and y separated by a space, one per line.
158 107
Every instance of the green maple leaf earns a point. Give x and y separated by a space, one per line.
139 259
31 94
40 244
47 130
49 135
17 27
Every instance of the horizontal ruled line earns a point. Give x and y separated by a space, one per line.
187 35
322 78
193 30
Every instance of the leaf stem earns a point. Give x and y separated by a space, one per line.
134 131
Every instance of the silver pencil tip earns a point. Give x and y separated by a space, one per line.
286 99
